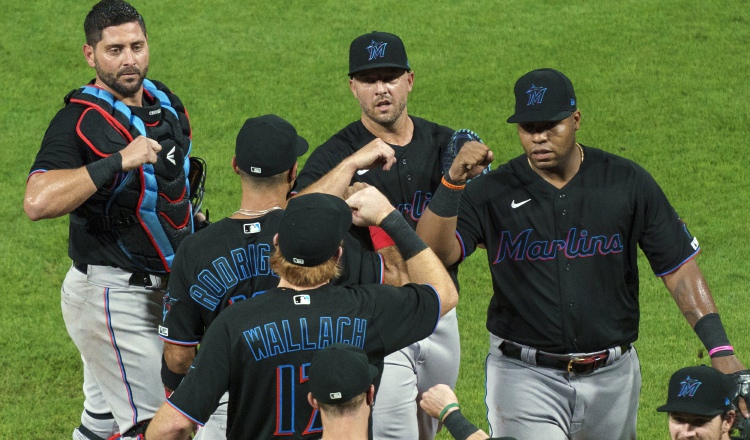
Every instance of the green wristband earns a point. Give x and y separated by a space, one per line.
447 407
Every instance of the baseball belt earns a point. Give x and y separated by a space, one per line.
582 364
139 279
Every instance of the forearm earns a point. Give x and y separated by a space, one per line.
440 235
335 182
395 271
693 297
437 225
690 292
179 357
169 424
423 265
57 192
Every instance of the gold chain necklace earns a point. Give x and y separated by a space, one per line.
251 213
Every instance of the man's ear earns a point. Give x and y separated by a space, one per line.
370 398
311 400
88 53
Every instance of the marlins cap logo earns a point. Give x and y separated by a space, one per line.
377 50
689 387
536 94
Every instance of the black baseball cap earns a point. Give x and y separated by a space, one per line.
268 145
543 95
339 373
700 390
312 228
376 50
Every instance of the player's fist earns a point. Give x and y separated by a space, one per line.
375 154
470 162
369 207
436 399
142 150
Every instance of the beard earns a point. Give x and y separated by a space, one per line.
126 89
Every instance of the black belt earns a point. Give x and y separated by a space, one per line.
140 279
564 362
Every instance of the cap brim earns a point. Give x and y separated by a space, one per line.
690 408
538 116
301 146
379 66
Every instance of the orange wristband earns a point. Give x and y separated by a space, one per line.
452 186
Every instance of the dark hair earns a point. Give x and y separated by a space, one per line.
108 13
344 408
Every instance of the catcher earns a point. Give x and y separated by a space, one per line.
702 403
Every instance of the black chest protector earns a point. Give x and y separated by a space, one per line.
146 211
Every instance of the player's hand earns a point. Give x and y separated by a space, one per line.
358 186
470 162
369 207
373 155
141 151
436 399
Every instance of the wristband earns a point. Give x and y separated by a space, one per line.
711 332
458 426
447 407
380 239
408 242
169 378
446 199
102 170
447 181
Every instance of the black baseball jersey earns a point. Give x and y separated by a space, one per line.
260 349
563 261
408 185
65 146
229 262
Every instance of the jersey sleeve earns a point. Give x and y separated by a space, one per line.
359 266
469 225
208 377
409 314
60 147
665 238
182 322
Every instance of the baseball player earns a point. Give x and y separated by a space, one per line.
342 391
562 224
127 198
381 79
229 261
260 349
699 403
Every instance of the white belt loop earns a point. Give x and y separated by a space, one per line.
528 355
614 354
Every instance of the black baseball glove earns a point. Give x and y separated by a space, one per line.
457 141
741 424
197 183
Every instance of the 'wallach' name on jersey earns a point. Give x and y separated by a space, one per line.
575 245
270 340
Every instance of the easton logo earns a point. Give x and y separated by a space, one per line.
376 49
170 156
536 94
689 387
